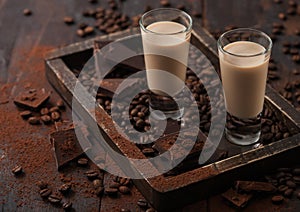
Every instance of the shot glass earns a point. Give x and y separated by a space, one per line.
244 57
166 34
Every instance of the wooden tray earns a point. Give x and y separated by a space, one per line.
169 192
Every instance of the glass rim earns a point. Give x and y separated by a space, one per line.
268 49
188 29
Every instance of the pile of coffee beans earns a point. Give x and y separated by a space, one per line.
292 93
47 114
57 198
287 181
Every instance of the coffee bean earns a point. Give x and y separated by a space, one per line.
282 16
297 32
26 114
288 193
298 195
142 203
17 170
44 111
140 123
93 1
54 109
290 184
91 174
278 25
55 116
124 190
296 58
89 30
67 205
291 11
277 1
124 181
27 12
278 199
42 184
34 121
296 171
282 188
125 210
294 51
196 14
148 151
54 199
60 104
276 31
150 210
68 20
272 66
97 183
165 3
80 33
65 188
111 191
99 191
292 3
46 119
82 26
45 192
82 161
114 185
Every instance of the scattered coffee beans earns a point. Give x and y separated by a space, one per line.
17 170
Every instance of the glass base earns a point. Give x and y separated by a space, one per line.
243 131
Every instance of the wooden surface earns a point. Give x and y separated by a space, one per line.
23 42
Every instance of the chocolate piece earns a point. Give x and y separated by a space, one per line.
66 147
237 199
255 186
32 99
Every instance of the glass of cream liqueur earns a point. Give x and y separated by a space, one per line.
244 56
166 35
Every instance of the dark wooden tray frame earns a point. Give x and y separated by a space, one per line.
171 192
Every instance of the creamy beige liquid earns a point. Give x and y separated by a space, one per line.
166 50
244 78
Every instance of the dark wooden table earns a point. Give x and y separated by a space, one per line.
23 43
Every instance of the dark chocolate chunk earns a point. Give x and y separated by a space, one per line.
237 199
32 99
66 146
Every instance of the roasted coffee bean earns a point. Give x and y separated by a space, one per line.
296 58
80 33
277 1
114 185
142 203
125 210
111 191
140 123
67 205
99 191
282 16
124 190
54 199
82 26
55 116
44 111
91 174
45 192
278 25
276 31
34 120
68 20
298 195
82 161
294 51
42 184
54 109
60 104
282 188
148 151
280 175
297 32
27 12
150 210
97 183
65 188
296 171
26 114
296 44
196 14
288 193
291 184
89 30
272 66
292 3
93 1
291 11
17 170
278 199
124 181
46 119
165 3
